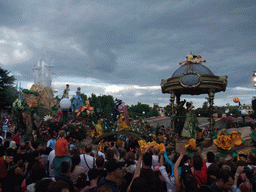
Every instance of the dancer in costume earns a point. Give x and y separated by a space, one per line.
189 125
66 91
77 100
116 110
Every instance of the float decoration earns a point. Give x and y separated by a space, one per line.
227 141
144 145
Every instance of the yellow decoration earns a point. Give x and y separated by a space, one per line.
242 158
120 143
79 110
191 144
144 145
226 142
236 138
122 124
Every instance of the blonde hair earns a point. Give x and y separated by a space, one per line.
62 133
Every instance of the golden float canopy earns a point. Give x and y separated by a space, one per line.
193 79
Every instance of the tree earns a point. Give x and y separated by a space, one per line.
168 110
8 93
235 111
138 109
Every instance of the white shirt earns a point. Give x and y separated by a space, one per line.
155 161
50 159
170 183
90 162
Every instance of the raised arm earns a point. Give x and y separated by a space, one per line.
138 166
176 172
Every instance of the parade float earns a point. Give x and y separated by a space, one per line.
193 78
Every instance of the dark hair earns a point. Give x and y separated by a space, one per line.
139 185
2 151
38 172
57 186
88 148
9 152
64 166
42 185
198 163
213 170
93 174
190 182
111 165
16 158
47 150
34 144
100 161
224 175
210 157
147 159
82 181
75 161
109 154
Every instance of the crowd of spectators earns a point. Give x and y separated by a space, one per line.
27 167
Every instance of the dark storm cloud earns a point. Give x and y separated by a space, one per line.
128 42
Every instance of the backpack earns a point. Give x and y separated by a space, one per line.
3 169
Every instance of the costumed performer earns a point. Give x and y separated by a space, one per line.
122 125
77 100
66 92
189 129
180 116
116 110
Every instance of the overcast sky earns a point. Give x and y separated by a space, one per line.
124 48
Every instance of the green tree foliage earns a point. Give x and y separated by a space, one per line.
235 111
205 105
168 110
8 93
154 112
136 111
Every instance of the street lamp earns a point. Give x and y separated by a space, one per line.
244 113
65 104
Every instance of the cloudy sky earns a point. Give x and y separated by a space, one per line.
124 48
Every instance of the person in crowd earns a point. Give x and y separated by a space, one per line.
49 163
16 175
166 173
148 174
64 176
16 137
210 158
51 143
185 181
224 181
87 161
42 185
100 165
93 177
58 186
155 157
76 170
61 151
114 173
200 170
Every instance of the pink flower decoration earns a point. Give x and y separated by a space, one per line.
76 129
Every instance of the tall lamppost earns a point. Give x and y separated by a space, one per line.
65 104
244 113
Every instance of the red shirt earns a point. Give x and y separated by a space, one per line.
61 147
16 138
201 176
